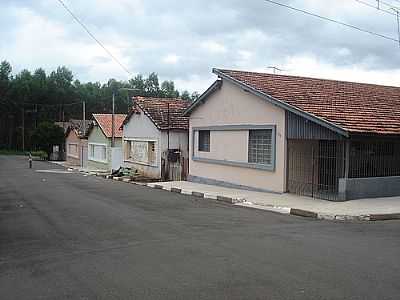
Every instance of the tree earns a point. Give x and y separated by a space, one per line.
186 96
5 80
28 98
152 86
138 83
168 89
195 96
46 136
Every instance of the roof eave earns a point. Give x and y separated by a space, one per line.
282 104
215 86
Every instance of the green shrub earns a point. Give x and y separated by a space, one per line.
41 154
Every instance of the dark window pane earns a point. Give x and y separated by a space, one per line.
204 140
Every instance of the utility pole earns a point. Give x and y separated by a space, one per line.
23 127
113 121
36 116
168 124
84 117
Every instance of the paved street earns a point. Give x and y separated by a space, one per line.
66 236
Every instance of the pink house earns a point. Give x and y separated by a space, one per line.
76 145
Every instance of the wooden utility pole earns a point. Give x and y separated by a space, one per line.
168 123
84 117
23 127
113 121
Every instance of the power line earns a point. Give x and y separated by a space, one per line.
379 2
58 104
93 37
376 7
334 21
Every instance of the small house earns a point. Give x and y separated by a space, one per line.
76 145
104 153
155 137
326 139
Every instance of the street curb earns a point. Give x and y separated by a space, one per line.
384 217
303 213
196 194
241 202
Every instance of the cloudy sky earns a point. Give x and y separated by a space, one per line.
184 40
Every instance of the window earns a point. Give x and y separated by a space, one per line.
72 150
91 150
204 140
260 147
98 152
141 152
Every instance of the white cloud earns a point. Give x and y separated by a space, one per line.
183 41
171 59
312 67
47 44
213 47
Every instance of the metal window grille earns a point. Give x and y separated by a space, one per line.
204 140
379 158
260 146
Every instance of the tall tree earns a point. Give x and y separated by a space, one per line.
152 86
168 89
5 80
46 136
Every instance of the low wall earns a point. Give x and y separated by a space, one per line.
371 187
203 180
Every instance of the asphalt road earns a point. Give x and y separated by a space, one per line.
65 236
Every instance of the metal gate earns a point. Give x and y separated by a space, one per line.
174 170
314 168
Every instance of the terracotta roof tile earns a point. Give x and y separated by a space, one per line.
105 123
157 110
356 107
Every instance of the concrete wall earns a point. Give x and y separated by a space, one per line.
232 106
372 187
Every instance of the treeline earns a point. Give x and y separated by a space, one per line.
29 98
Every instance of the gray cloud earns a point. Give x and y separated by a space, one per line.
199 35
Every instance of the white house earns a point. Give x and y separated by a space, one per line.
155 133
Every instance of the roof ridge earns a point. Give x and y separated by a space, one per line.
307 77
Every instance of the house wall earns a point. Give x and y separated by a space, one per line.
232 106
73 159
141 128
96 136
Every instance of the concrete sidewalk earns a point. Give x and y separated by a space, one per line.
364 209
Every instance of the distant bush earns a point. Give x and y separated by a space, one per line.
41 154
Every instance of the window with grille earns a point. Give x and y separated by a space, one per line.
72 150
97 152
204 140
260 146
141 152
